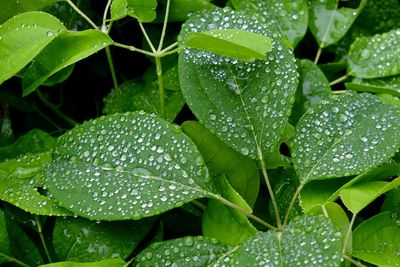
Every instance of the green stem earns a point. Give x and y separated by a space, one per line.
39 226
160 86
53 108
163 54
134 49
199 205
48 119
77 10
354 262
168 48
112 69
318 55
339 92
292 202
339 80
147 38
164 29
346 239
104 26
245 212
14 260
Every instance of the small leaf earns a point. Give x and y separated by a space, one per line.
328 23
346 135
377 240
387 85
246 104
376 56
241 172
291 16
82 240
224 223
12 8
233 43
360 195
186 251
149 166
66 49
103 263
142 10
23 37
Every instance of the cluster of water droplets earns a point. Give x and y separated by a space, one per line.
126 166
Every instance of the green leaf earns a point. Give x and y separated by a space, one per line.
82 240
180 9
392 203
328 23
103 263
67 49
186 251
137 95
290 16
246 104
4 239
376 56
19 183
241 172
387 85
149 166
34 141
377 240
360 195
23 37
239 44
142 10
12 8
59 77
345 135
224 223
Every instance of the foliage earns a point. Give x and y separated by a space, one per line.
199 133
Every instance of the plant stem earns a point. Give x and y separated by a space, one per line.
346 239
292 202
14 260
105 14
318 55
164 29
245 212
168 48
160 86
351 260
339 80
39 226
112 69
147 38
53 108
163 54
199 205
339 91
132 48
74 7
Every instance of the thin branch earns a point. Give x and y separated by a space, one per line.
112 69
169 48
346 239
318 55
163 54
292 202
198 204
132 48
39 227
353 261
14 260
104 26
339 80
160 86
147 38
164 29
77 10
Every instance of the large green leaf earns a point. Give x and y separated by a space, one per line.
357 197
143 10
103 263
376 56
12 8
246 104
345 135
328 22
19 183
377 240
239 44
241 172
291 16
126 166
82 240
65 50
386 85
23 37
224 223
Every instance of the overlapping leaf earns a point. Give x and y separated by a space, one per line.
12 8
143 10
104 263
387 85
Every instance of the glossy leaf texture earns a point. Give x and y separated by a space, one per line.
328 22
19 183
239 44
345 135
149 166
359 196
139 95
376 56
377 240
67 49
241 172
142 10
291 16
180 9
12 8
386 85
104 263
23 37
224 223
81 240
242 102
